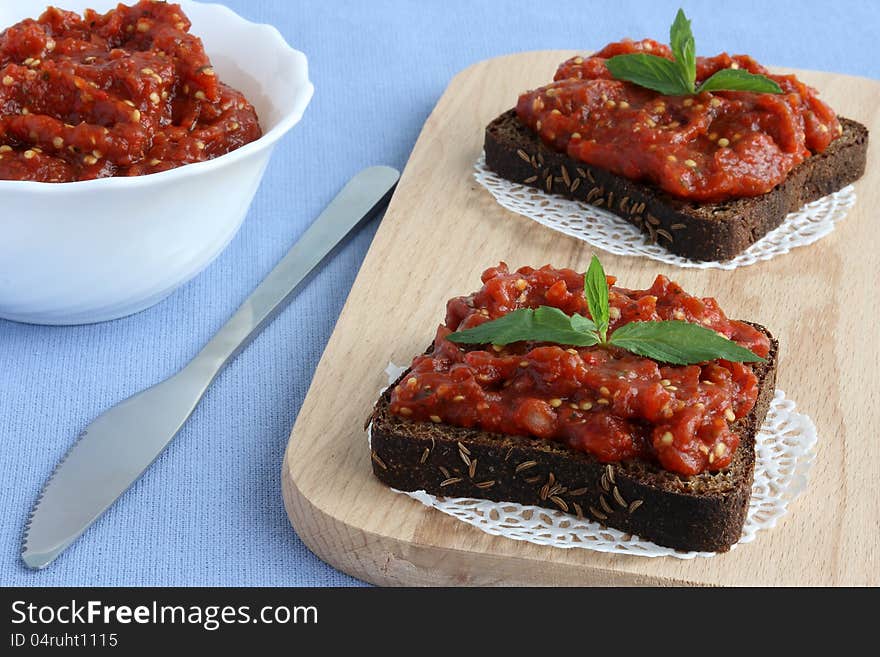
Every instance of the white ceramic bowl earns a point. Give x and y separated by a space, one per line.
74 253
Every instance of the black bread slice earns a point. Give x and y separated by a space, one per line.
705 512
699 231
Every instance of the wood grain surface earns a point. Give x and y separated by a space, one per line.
442 230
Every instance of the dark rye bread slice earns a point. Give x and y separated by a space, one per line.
699 231
705 512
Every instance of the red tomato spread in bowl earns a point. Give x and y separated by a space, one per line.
604 401
707 147
126 93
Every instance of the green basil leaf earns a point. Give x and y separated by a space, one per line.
543 324
681 42
736 79
650 71
583 324
550 318
596 292
679 343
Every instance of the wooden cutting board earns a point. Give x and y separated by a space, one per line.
442 230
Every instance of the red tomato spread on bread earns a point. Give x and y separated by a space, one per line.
601 400
707 147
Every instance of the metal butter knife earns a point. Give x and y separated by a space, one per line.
117 447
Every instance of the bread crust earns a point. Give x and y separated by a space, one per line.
705 512
698 231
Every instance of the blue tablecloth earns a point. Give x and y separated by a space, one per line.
209 512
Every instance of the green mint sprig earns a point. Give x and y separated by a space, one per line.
542 324
596 292
675 342
678 77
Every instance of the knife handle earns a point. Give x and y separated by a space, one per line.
361 198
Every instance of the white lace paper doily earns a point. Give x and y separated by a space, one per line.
784 453
611 233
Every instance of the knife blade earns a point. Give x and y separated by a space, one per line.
118 446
